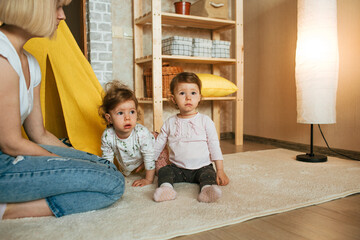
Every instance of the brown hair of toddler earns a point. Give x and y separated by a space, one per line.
184 77
115 93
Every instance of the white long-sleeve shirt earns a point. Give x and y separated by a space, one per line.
131 152
193 142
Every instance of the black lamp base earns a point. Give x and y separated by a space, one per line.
311 158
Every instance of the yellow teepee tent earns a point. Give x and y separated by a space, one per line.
70 91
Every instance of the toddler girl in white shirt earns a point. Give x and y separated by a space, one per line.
193 144
131 143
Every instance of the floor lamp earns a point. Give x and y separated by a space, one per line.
317 67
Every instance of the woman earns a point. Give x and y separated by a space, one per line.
40 176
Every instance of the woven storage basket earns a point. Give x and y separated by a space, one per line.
168 73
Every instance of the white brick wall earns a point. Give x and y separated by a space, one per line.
100 38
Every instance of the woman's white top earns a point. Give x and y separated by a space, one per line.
8 51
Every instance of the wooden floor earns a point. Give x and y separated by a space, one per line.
338 219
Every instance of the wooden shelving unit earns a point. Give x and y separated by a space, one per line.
187 59
187 21
156 18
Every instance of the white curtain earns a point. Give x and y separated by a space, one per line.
317 61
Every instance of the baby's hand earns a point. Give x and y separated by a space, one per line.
141 182
221 178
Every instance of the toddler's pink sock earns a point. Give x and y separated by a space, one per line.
165 192
209 193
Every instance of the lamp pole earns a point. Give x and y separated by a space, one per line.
311 157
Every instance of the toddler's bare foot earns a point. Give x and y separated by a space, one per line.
209 193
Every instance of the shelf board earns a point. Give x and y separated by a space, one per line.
150 100
188 21
188 59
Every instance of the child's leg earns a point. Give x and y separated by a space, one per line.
209 190
167 176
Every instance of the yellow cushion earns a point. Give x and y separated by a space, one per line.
215 86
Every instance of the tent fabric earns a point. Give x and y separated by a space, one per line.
70 92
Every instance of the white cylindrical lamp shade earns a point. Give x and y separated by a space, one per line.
317 61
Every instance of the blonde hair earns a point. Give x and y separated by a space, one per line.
37 17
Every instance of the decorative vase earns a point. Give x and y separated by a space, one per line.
182 8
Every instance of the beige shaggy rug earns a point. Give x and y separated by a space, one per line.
261 183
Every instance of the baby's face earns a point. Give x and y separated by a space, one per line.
187 97
123 118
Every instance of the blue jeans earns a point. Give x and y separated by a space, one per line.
73 183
